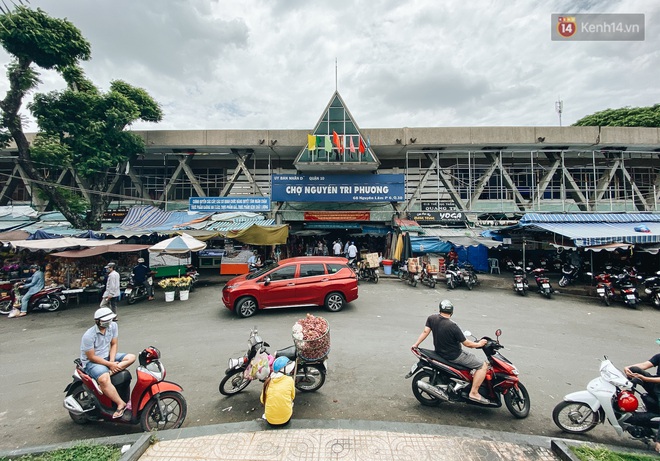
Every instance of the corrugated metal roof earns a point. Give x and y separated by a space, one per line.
591 234
225 226
589 218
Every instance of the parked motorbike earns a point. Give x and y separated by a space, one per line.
191 271
137 292
509 264
366 273
436 380
309 375
610 397
628 294
651 288
427 277
542 282
604 287
155 404
49 299
520 283
569 274
463 275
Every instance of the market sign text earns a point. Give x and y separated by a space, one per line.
249 203
338 188
433 217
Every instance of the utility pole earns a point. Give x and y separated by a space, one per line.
559 107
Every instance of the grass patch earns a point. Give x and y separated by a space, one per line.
80 452
586 453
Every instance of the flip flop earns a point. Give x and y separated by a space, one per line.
119 413
480 400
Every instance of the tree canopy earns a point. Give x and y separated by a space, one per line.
626 116
80 127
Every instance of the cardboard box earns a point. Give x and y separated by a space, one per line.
372 259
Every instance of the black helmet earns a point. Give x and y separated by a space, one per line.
446 307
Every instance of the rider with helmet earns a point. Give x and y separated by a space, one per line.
99 356
447 340
141 275
278 393
650 383
35 283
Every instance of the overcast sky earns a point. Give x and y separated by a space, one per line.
270 64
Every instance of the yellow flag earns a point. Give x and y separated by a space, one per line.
311 142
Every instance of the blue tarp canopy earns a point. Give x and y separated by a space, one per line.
593 229
429 245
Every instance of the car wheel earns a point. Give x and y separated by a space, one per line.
334 302
246 307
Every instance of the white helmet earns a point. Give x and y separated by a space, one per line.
104 314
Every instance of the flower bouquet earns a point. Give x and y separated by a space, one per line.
169 284
183 283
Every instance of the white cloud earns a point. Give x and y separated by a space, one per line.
260 64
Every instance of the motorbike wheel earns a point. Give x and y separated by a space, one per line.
55 303
310 378
607 299
131 298
469 284
375 278
174 406
517 401
423 397
83 397
575 417
432 285
6 307
656 302
563 282
233 383
548 294
451 284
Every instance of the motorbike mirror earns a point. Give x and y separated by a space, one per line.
467 333
590 274
498 333
266 344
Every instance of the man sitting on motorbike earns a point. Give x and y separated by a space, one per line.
141 274
447 340
35 283
99 356
650 383
278 393
254 261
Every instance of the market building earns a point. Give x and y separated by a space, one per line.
341 180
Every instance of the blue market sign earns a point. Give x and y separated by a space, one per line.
338 188
219 204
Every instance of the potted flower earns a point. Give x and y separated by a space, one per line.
170 286
183 285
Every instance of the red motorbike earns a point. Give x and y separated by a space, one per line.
49 299
604 287
437 380
154 403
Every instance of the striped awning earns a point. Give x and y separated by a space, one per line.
226 226
593 234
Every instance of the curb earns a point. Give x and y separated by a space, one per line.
563 452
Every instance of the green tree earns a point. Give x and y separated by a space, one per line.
80 127
626 116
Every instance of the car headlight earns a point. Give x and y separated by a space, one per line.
229 287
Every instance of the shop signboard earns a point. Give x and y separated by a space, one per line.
437 217
441 205
338 188
219 204
337 216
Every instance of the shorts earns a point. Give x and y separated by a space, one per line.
95 370
468 360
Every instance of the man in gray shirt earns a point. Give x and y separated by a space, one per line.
99 356
111 293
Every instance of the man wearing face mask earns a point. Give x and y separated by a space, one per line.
99 356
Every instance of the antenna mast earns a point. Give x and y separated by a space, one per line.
559 107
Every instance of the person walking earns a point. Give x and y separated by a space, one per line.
336 248
111 293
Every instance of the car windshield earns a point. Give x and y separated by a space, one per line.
261 271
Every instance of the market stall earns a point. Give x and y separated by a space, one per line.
170 257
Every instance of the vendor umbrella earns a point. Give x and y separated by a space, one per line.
178 245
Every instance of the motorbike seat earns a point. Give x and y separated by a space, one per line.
432 355
288 352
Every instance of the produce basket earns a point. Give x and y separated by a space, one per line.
311 337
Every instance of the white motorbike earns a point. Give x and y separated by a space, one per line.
614 397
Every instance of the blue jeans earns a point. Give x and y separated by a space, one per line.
96 369
26 298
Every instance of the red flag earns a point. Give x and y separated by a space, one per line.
361 147
352 148
337 141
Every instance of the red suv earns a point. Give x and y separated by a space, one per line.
303 281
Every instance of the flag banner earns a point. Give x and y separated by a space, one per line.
337 141
311 142
361 147
352 146
327 144
320 142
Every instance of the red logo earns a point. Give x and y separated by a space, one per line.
566 26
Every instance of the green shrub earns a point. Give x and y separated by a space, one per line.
81 452
586 453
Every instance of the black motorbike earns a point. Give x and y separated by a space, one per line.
135 292
542 282
520 283
625 285
652 289
308 377
367 273
569 274
461 275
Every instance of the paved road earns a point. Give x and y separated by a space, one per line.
555 344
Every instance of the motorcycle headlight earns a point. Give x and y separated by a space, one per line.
514 370
234 363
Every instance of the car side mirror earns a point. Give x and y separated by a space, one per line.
266 281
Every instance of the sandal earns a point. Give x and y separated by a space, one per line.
119 413
21 314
